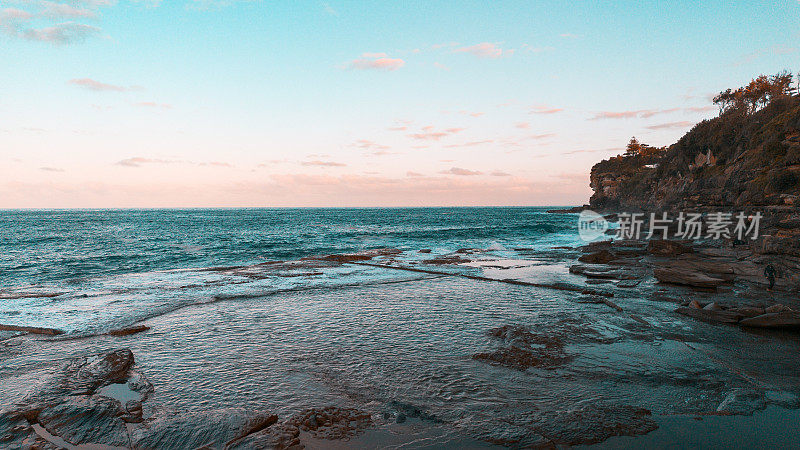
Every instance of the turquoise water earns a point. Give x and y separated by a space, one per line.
85 271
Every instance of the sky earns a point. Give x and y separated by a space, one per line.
203 103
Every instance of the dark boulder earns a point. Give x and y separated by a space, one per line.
662 247
600 257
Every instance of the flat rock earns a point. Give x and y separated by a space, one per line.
713 306
686 278
776 308
784 319
601 271
747 311
710 315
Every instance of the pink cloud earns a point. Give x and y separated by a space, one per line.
370 145
540 136
64 33
640 113
428 133
94 85
323 163
669 125
461 172
470 144
138 161
376 61
696 109
63 11
497 173
485 50
522 125
544 109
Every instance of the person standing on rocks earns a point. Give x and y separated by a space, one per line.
769 272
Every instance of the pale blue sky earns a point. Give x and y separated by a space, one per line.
255 103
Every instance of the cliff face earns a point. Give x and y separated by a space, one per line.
732 163
735 161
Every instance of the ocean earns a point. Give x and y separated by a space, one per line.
111 268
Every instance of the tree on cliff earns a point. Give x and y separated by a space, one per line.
757 94
633 148
636 148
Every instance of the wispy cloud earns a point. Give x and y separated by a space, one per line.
774 50
470 144
376 61
58 23
64 33
668 125
540 136
138 161
428 133
369 145
51 169
94 85
329 9
544 109
460 172
696 109
640 113
498 173
485 50
319 163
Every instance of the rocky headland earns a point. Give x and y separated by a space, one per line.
744 162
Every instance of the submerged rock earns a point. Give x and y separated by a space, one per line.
84 419
211 429
743 401
332 422
442 260
32 330
128 331
595 423
524 349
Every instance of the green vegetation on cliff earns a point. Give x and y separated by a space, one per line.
748 156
